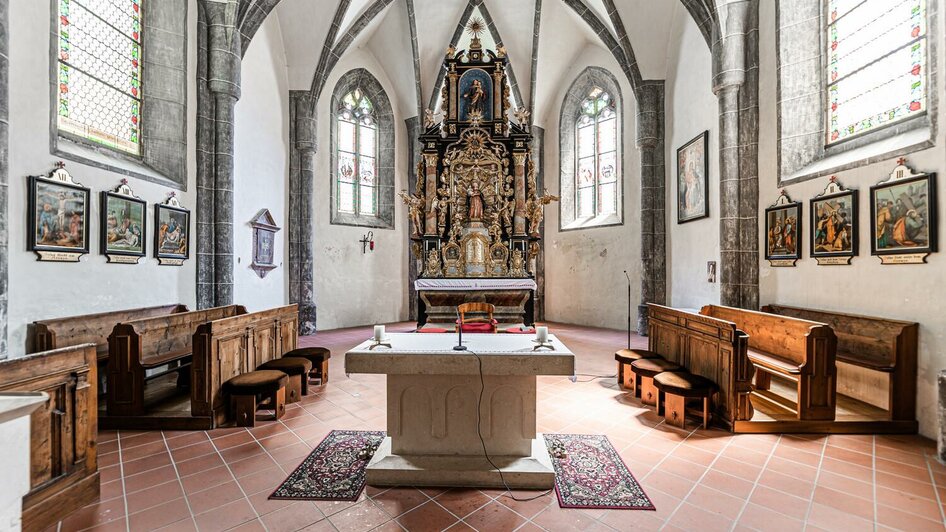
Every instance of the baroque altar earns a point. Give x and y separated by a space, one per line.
476 212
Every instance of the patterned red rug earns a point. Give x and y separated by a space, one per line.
589 473
334 470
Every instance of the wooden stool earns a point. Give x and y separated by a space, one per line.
624 358
318 356
676 387
298 370
245 389
645 370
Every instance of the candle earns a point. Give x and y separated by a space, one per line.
379 333
542 334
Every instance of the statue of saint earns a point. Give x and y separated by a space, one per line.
415 206
475 201
475 97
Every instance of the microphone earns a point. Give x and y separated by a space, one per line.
628 276
628 309
459 346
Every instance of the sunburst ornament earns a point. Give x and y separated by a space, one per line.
475 27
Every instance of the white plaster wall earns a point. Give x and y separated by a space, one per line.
691 108
584 269
42 290
261 166
352 288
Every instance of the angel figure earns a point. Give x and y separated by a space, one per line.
506 214
429 119
415 206
535 211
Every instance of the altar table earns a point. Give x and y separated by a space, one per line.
437 299
432 392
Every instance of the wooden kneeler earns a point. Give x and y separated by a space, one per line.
298 370
626 357
318 356
645 370
675 388
248 390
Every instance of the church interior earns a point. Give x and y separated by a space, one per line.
426 265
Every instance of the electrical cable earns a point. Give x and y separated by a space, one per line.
479 432
593 377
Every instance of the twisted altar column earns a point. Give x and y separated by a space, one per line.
519 215
430 187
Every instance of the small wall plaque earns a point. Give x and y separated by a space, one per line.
57 217
904 211
264 242
124 225
783 232
171 232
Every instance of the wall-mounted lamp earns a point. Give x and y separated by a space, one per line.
367 242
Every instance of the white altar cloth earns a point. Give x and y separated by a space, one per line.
474 284
432 409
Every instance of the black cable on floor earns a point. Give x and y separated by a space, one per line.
593 377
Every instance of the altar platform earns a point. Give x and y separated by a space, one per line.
433 393
438 299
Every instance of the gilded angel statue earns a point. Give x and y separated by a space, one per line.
535 211
415 205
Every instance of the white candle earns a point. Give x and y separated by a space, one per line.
542 334
379 333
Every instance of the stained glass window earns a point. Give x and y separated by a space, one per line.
357 155
877 57
596 148
99 69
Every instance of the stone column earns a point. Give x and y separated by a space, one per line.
205 169
650 141
519 174
304 145
413 157
430 184
4 170
941 411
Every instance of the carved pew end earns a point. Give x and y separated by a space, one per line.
245 391
676 387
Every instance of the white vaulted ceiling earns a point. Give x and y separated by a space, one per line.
564 35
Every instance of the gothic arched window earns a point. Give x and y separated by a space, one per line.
357 155
99 72
596 155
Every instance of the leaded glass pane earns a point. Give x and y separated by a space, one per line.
366 139
607 168
366 168
586 202
877 58
586 141
99 96
346 197
607 201
586 172
346 136
346 167
367 203
607 135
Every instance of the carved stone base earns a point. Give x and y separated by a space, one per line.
440 306
642 320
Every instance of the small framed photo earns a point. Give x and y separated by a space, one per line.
171 232
57 217
693 179
834 225
783 232
904 210
124 225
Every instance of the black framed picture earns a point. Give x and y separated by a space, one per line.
833 237
783 232
693 179
124 225
57 217
171 232
904 211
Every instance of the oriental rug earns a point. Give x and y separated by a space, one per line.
589 473
334 470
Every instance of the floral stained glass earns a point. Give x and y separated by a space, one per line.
357 155
99 70
877 59
597 171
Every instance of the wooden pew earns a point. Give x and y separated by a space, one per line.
63 465
800 350
877 344
227 347
140 345
709 347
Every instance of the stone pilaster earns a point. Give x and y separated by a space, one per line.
650 142
941 414
4 170
205 170
303 147
519 174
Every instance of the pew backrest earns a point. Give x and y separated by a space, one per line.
783 336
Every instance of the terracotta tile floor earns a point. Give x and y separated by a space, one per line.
698 480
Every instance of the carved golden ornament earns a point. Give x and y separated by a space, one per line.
476 117
517 265
522 116
519 159
475 27
500 51
430 119
430 159
421 177
417 250
433 268
451 51
415 204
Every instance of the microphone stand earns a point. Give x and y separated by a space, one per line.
460 346
628 309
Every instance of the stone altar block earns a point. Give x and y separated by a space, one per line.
432 409
437 299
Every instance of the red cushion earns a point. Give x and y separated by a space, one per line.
432 330
520 330
479 327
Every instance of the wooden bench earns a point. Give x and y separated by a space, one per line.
800 350
63 462
877 344
708 347
137 346
226 347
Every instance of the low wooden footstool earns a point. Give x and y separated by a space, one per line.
318 356
675 387
645 370
247 390
625 357
298 371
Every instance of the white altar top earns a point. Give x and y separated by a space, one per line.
433 354
475 284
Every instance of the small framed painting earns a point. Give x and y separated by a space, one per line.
834 225
904 212
783 232
693 179
124 225
264 242
57 217
171 232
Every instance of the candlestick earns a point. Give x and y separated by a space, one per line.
378 333
542 334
